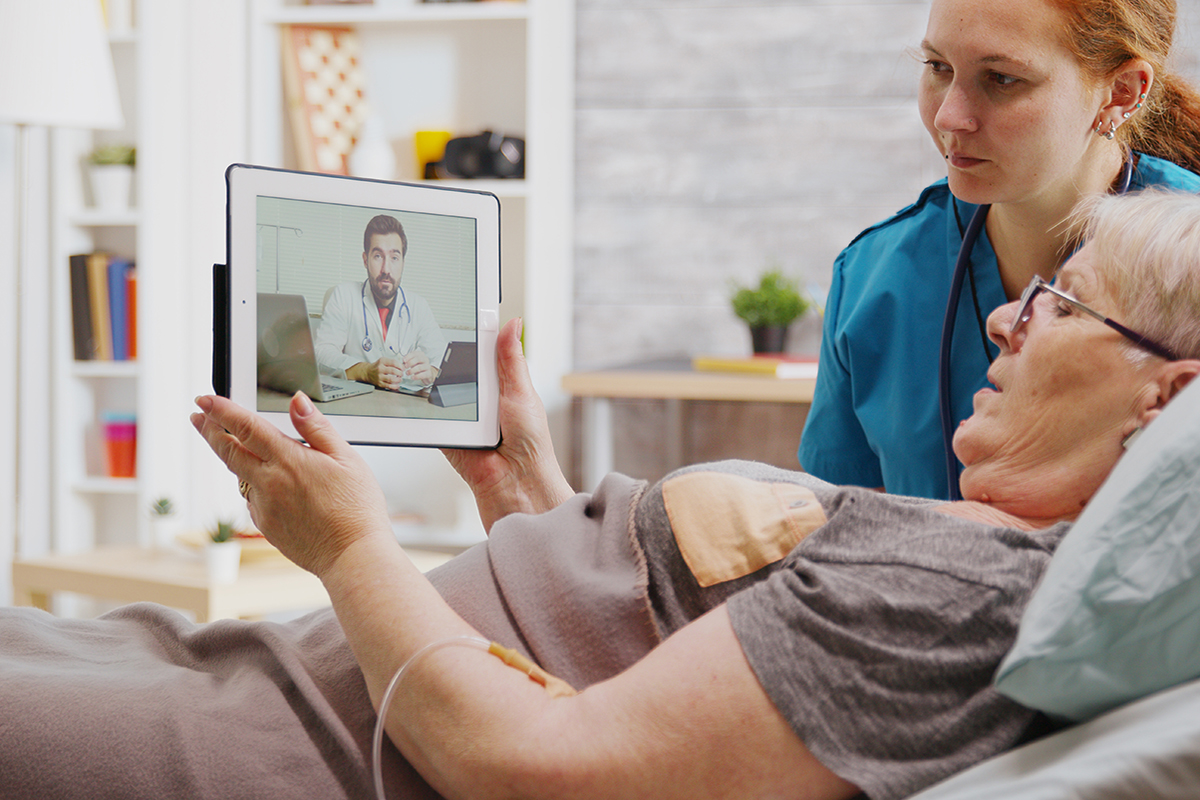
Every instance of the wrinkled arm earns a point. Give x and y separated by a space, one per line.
688 721
522 474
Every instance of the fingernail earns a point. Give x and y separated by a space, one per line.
204 402
304 406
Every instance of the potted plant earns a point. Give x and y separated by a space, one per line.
162 510
110 169
223 553
769 309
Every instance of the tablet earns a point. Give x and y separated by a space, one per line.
379 300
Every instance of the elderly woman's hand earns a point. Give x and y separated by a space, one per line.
311 501
522 474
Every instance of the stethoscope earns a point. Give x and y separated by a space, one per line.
963 270
367 344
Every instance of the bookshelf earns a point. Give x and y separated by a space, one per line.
464 67
191 113
89 507
505 65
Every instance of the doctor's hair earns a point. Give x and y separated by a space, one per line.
382 225
1104 35
1146 252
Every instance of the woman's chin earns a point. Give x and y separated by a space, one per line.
970 189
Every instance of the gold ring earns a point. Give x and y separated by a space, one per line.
244 489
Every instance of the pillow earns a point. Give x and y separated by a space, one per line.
1147 749
1117 614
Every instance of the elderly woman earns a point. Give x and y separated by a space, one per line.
733 631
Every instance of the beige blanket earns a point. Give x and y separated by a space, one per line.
142 703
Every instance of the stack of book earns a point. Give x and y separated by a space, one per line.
777 365
103 307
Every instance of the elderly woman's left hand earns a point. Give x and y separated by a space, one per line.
312 500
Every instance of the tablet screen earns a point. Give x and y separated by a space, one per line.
378 300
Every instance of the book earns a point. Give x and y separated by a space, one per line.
103 307
97 269
81 309
780 366
131 317
118 304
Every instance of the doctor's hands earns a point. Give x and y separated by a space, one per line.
522 474
391 373
416 367
312 501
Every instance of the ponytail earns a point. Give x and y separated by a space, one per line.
1171 128
1104 35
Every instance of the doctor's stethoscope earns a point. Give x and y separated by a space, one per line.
367 344
964 269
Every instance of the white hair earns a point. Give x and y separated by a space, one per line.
1146 250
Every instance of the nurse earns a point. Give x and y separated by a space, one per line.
1034 104
374 330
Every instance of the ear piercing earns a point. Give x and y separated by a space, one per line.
1128 114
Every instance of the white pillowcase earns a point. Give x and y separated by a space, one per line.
1117 614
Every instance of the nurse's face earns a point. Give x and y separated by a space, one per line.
385 264
1005 101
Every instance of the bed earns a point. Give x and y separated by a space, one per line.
1110 641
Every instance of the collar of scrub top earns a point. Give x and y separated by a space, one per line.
397 313
963 268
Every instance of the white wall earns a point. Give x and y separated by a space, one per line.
714 138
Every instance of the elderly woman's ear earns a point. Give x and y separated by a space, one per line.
1172 377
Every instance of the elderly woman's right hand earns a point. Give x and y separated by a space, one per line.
522 474
312 501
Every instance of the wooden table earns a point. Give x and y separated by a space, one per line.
671 380
177 579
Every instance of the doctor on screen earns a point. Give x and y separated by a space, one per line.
375 330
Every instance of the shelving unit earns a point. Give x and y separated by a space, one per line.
200 86
464 67
90 508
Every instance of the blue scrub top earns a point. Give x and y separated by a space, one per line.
874 420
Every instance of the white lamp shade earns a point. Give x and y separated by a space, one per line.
56 68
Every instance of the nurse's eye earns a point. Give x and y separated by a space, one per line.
1002 80
937 67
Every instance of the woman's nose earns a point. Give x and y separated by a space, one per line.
955 111
1000 328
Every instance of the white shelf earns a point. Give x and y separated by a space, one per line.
99 218
107 486
384 12
500 188
105 369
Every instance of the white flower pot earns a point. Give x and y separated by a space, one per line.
112 186
223 560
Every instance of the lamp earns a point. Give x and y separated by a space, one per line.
56 70
57 66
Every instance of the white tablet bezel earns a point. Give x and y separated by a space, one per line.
247 183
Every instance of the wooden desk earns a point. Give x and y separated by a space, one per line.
177 579
375 403
673 381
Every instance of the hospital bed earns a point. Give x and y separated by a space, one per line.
1111 639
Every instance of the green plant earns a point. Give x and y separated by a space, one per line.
224 532
162 507
775 302
113 154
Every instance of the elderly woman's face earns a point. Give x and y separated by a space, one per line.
1043 440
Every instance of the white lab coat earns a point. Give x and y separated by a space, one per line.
351 319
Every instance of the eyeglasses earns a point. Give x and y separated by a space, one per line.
1025 311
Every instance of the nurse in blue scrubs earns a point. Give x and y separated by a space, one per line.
1033 106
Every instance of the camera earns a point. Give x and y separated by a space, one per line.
485 155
